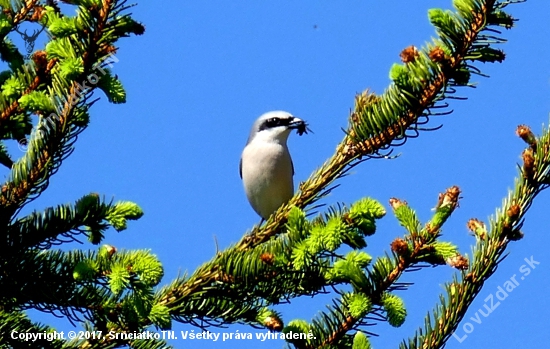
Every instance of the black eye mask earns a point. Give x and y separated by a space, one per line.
299 126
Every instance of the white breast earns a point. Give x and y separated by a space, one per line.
267 176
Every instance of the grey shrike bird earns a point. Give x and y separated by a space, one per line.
266 167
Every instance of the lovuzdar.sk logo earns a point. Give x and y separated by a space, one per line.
29 39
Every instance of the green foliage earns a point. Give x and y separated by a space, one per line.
288 257
160 316
363 213
125 25
51 15
361 341
501 18
359 258
399 75
366 208
5 158
89 215
119 213
359 305
466 8
347 271
407 218
63 26
17 322
36 101
445 249
61 48
296 326
146 266
486 54
119 278
12 87
10 54
339 227
85 270
449 26
350 269
297 222
114 289
150 343
5 24
71 67
395 308
112 87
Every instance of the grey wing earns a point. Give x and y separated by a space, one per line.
292 165
241 168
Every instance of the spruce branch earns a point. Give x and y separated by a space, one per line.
378 123
302 261
39 76
111 289
39 72
64 112
17 322
505 226
418 246
89 216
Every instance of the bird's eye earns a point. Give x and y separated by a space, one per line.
273 122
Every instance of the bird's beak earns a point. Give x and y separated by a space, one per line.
299 125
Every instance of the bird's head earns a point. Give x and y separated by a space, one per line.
276 126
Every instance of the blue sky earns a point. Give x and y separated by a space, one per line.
204 71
